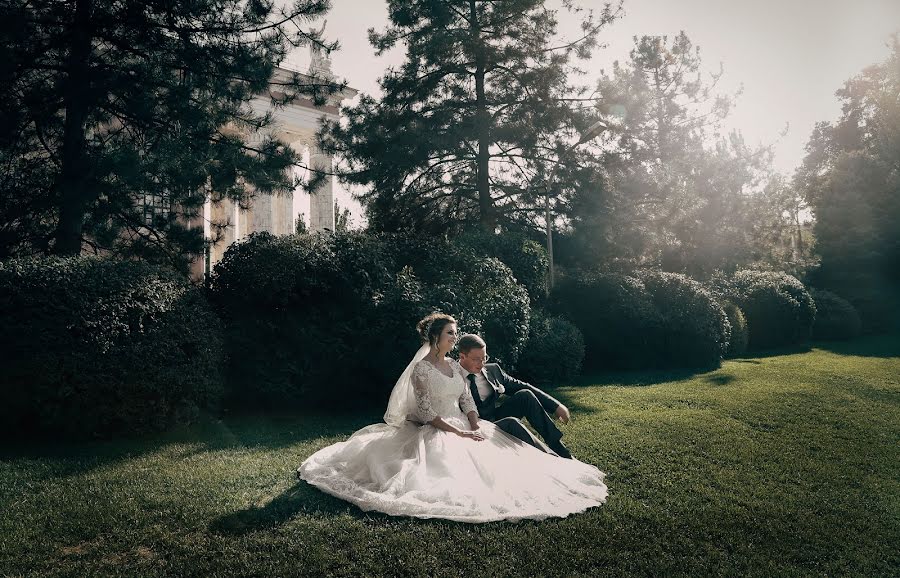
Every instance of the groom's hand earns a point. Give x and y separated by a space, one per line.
562 414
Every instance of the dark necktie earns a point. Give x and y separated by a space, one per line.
474 389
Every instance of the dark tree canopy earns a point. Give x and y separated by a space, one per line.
851 180
119 119
481 107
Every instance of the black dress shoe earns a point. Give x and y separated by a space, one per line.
561 450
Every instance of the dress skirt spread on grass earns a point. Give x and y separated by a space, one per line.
402 468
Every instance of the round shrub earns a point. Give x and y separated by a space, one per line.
693 330
481 293
875 298
616 316
740 335
329 320
836 318
554 351
314 319
100 347
778 308
526 259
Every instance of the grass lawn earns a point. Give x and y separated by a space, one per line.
786 464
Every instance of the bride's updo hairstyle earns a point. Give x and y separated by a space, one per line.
431 326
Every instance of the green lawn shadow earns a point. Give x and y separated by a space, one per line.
301 498
866 346
210 433
637 377
778 351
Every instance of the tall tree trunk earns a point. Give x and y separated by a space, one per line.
482 182
72 183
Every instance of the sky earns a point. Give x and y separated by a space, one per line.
789 55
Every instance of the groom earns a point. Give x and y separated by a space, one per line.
487 381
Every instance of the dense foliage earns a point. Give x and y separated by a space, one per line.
693 330
836 318
778 308
643 321
526 259
679 194
614 313
474 122
120 119
554 351
329 320
101 347
479 291
851 180
313 317
740 335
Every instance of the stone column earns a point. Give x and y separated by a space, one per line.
321 201
260 215
285 214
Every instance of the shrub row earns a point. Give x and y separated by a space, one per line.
836 318
97 348
329 320
650 319
100 347
554 351
778 308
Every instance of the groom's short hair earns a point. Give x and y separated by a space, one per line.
470 341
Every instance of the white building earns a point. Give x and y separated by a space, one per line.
296 125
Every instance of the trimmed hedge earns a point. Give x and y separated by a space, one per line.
616 316
526 259
480 291
100 347
778 308
313 319
554 351
875 298
740 335
329 320
693 330
649 320
836 318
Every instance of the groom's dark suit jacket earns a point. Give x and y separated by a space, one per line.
500 380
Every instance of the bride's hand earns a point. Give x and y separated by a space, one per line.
475 435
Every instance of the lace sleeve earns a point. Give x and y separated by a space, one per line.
466 403
420 390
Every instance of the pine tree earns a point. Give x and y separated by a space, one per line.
121 118
481 108
677 187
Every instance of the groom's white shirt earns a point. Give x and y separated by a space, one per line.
481 382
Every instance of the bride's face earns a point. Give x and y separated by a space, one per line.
447 338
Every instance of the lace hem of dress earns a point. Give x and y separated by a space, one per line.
414 506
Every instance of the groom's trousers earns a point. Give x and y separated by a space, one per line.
524 404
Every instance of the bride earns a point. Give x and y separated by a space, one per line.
455 466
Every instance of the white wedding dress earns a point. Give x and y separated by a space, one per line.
420 471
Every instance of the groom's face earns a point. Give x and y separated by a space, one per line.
474 360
